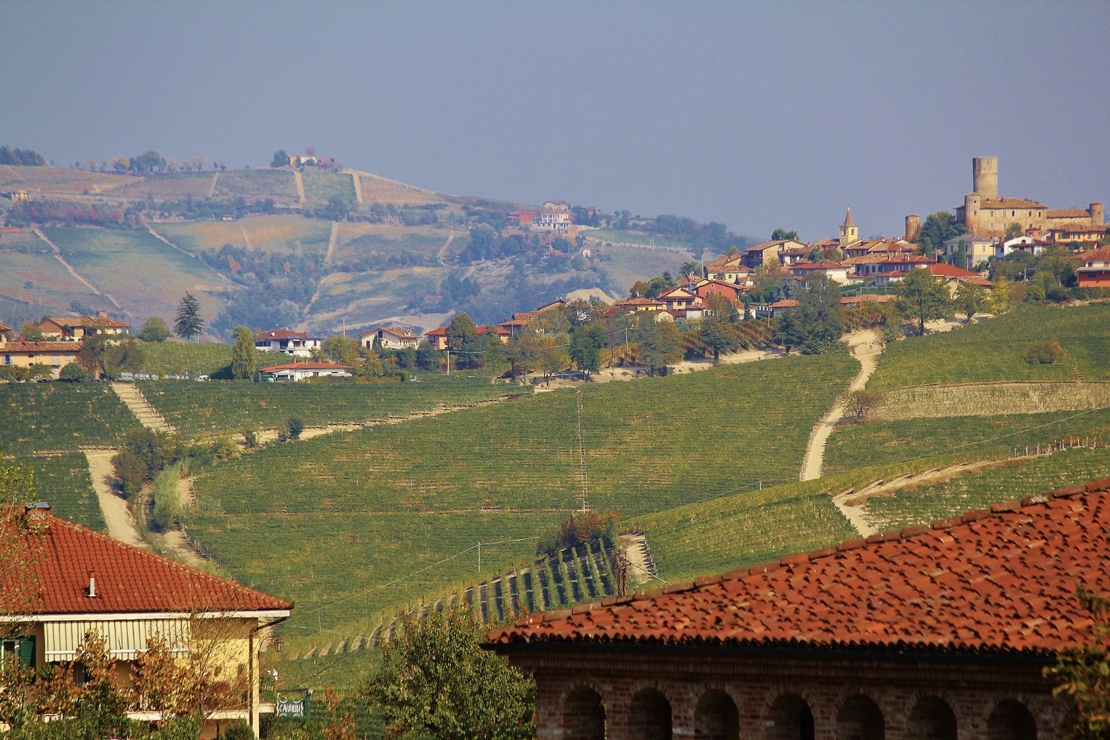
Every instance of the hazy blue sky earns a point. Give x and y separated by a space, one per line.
759 115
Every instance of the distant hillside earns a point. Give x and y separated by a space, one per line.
318 248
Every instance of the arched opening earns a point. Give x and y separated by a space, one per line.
932 719
860 719
1010 720
584 716
649 716
716 718
790 719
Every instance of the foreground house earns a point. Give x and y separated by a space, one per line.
297 371
82 580
296 343
936 632
1094 268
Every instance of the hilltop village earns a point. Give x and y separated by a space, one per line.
866 512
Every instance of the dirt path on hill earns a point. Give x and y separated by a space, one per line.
853 502
121 523
300 186
167 242
136 402
58 256
331 246
212 187
865 347
246 239
357 183
446 244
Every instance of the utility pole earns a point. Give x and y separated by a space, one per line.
449 372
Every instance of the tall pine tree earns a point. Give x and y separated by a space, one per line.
188 324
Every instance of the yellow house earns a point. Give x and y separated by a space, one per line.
76 329
79 580
54 355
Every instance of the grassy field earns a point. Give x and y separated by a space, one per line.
63 481
168 186
60 416
382 190
257 184
59 180
283 234
188 358
222 406
650 445
323 186
878 443
425 241
155 277
1011 482
994 350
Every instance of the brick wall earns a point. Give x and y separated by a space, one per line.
795 697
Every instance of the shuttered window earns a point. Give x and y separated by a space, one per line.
125 638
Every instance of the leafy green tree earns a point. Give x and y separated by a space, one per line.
859 403
970 299
819 313
294 427
715 331
436 681
73 372
778 234
922 297
586 343
938 228
1013 231
188 323
154 330
789 331
1082 673
280 159
461 333
340 350
657 343
244 358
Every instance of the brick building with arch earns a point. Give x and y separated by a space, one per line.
937 632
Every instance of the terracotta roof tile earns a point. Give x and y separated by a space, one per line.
128 580
989 581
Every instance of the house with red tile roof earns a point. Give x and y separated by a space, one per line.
1094 268
438 337
937 632
732 291
834 271
54 355
391 337
729 268
768 252
78 580
953 276
297 371
296 343
69 329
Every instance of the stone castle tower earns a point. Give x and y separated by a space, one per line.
984 176
849 233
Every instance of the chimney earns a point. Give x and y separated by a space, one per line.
103 314
92 585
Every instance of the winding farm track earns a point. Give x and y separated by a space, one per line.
300 186
332 240
74 273
212 187
120 521
358 185
865 348
167 242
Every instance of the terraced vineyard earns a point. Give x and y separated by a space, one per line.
878 443
63 481
256 184
284 234
994 350
323 186
179 358
60 416
197 408
167 186
650 445
1012 481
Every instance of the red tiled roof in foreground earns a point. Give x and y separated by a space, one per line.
1002 580
128 579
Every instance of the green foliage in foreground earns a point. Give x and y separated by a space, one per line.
994 350
436 681
879 443
179 358
1012 481
63 481
60 416
198 408
650 445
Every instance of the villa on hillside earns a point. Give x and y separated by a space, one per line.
834 271
54 355
1094 268
298 371
80 580
438 337
936 632
67 329
394 337
729 268
296 343
767 252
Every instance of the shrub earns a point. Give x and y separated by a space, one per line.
1044 353
238 730
167 502
582 528
294 427
74 373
